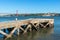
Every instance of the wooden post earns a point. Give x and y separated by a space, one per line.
18 31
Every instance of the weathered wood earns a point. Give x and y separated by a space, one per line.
29 26
3 33
18 23
18 31
21 28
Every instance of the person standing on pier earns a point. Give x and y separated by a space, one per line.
16 19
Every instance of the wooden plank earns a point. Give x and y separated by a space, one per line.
10 24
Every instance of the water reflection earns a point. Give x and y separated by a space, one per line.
42 34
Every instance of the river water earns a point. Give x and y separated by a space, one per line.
45 34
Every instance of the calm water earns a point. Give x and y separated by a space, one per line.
49 34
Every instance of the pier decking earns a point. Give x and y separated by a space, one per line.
30 23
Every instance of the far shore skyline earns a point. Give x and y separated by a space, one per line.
25 12
2 14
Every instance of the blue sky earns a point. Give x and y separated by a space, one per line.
29 6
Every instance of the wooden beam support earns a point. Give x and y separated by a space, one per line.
11 32
3 33
29 26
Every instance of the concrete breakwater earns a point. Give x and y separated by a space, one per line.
24 26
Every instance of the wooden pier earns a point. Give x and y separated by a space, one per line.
24 25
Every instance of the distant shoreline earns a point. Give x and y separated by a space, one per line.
37 14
